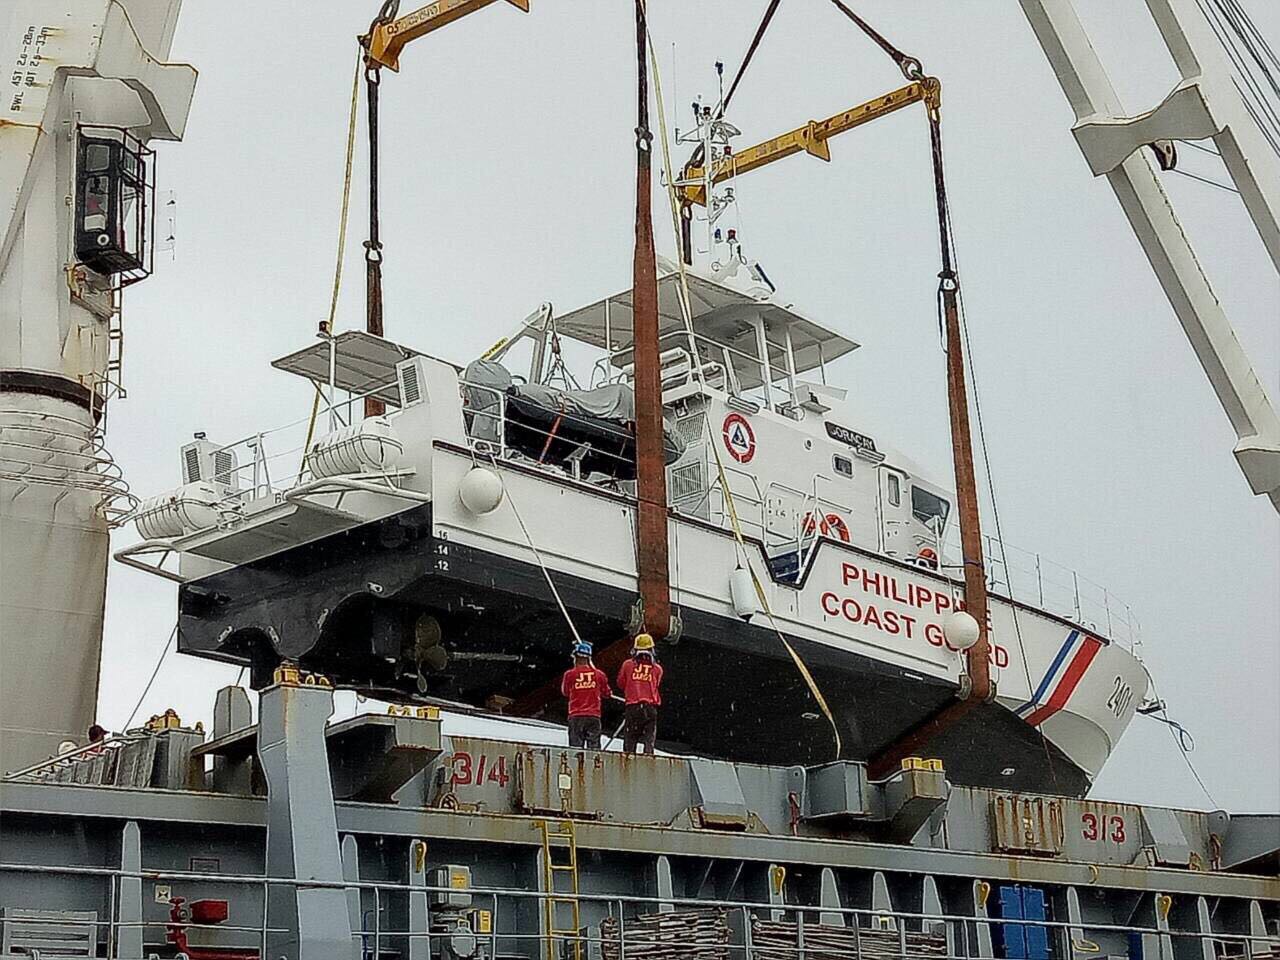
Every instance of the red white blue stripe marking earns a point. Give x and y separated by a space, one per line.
1062 678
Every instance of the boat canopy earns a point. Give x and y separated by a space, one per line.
727 316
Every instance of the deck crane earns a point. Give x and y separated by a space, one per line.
388 35
1204 105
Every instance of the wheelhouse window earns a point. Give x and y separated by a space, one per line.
895 490
929 508
842 465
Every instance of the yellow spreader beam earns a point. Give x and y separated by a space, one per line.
811 138
388 39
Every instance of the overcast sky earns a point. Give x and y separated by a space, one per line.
508 180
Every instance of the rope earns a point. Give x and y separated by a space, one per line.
342 248
687 314
910 66
1212 183
154 673
537 554
1180 736
697 155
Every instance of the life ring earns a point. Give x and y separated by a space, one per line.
927 557
831 525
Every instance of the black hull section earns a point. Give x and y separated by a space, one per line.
363 607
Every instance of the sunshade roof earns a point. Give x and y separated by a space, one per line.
365 364
720 313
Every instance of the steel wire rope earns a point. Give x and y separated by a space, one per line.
1223 32
1261 40
342 249
1181 737
1212 183
537 554
951 265
154 673
1269 123
723 105
687 315
1236 19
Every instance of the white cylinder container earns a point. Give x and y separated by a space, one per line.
742 593
189 508
480 490
370 446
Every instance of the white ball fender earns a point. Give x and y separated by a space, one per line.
480 490
960 630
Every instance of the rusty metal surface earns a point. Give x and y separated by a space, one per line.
1026 824
626 788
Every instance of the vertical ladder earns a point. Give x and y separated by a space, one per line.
560 882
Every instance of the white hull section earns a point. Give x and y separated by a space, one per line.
1079 689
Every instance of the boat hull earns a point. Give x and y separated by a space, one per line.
348 605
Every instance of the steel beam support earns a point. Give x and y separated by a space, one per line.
129 895
1254 168
351 873
302 825
79 802
419 923
1137 187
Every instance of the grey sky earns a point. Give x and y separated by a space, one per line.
508 180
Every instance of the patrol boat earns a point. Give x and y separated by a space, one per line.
414 555
452 548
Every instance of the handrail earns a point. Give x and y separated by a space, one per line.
1028 577
114 742
956 930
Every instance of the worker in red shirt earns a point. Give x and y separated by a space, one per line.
586 686
640 680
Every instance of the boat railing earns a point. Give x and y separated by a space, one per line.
1033 579
273 462
720 366
501 921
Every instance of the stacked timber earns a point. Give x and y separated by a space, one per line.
680 935
776 940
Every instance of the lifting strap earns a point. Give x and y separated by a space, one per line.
373 245
687 314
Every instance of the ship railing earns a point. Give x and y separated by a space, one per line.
271 463
616 927
49 768
1033 579
720 366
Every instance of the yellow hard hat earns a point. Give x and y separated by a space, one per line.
643 642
